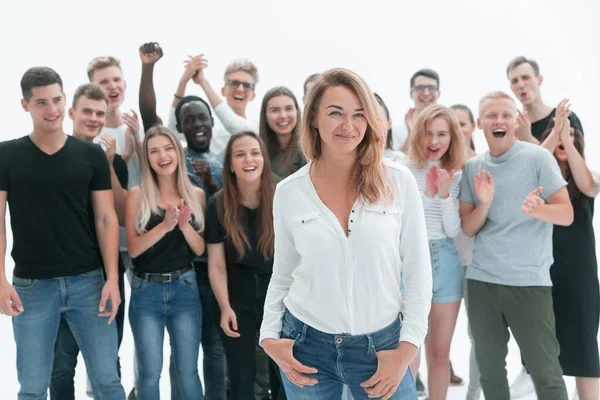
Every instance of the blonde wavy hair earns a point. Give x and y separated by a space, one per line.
454 158
150 194
369 177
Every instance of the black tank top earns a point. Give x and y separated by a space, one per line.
169 254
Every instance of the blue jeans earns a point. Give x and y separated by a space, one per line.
35 330
212 349
174 305
66 350
341 360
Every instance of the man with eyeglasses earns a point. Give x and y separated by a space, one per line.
241 77
424 91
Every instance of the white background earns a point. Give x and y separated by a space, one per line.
468 42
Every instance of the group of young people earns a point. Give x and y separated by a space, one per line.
310 255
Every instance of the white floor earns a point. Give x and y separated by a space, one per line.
459 356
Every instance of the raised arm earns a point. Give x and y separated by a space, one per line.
150 53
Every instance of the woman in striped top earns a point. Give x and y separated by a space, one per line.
435 157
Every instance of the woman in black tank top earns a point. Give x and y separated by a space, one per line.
164 225
239 233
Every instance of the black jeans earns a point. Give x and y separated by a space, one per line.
66 350
247 293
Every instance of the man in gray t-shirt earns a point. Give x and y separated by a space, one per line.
510 198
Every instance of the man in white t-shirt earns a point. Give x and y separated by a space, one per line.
124 127
424 91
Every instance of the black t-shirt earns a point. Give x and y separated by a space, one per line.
49 198
253 260
539 127
170 253
120 167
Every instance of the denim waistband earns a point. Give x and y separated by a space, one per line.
442 243
392 329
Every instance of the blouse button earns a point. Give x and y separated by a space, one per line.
302 221
351 220
384 211
353 210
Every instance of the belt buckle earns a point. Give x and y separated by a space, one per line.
169 275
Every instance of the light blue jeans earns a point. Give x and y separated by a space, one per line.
35 330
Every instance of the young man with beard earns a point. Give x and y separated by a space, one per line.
525 81
89 110
511 196
195 122
58 253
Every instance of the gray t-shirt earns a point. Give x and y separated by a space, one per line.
511 248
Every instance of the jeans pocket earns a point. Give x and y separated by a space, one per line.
189 279
23 283
137 283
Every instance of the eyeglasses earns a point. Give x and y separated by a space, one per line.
235 84
422 88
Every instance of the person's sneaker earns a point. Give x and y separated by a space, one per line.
454 379
420 386
522 386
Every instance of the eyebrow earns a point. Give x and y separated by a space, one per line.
342 108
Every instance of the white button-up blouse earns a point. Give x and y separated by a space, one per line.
338 284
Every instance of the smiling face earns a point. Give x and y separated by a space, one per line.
424 92
162 155
239 90
438 143
196 124
464 121
110 79
497 119
282 115
88 118
46 107
340 120
247 160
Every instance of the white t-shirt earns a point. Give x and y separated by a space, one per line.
133 166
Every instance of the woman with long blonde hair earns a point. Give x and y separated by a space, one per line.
349 228
164 222
436 156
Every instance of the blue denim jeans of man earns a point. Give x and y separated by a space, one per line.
341 360
35 330
66 350
173 305
213 360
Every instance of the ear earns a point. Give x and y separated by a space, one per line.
124 85
71 114
253 96
223 91
438 95
479 124
24 105
540 80
389 122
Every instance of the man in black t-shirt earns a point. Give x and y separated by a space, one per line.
525 81
89 113
49 180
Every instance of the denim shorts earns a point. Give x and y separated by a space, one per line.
446 270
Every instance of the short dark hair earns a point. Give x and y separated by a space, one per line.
189 99
310 79
515 62
427 72
38 77
90 91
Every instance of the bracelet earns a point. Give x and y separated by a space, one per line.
178 97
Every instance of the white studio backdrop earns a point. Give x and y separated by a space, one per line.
468 42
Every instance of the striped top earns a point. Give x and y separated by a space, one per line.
441 215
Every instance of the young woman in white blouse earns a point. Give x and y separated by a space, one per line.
436 154
349 227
